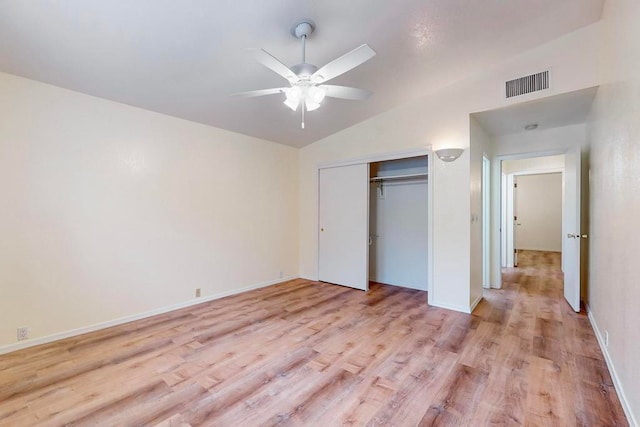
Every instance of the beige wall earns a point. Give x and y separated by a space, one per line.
538 206
534 164
439 120
110 211
614 134
480 146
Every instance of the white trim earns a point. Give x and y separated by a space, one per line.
614 375
475 303
499 228
509 219
486 221
430 230
531 154
394 155
459 308
109 323
538 171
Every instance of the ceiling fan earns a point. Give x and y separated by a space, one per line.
307 82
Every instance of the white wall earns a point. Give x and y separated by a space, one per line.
538 206
534 164
549 141
110 211
442 119
480 145
614 132
398 255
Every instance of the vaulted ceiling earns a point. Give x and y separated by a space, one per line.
184 58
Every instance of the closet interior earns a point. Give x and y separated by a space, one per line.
398 211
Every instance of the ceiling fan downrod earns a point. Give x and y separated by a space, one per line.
302 30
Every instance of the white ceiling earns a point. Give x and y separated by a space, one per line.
184 58
553 111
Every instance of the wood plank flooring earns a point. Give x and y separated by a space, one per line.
308 353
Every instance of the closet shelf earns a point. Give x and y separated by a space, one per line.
399 177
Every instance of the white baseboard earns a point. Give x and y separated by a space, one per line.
103 325
453 307
614 375
475 303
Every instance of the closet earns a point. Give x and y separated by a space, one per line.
398 211
373 223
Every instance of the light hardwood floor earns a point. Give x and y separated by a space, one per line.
308 353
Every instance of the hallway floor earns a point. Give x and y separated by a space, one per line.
561 377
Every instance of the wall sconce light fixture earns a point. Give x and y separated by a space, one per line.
449 154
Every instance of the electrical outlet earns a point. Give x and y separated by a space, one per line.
606 338
281 274
23 333
198 292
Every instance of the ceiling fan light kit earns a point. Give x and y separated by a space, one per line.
307 82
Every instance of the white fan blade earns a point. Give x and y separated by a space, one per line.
343 64
271 62
346 92
262 92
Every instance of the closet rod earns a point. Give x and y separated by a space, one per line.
398 177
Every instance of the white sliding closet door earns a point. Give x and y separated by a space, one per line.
344 226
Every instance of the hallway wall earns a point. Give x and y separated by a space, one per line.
614 134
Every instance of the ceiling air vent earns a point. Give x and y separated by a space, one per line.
528 84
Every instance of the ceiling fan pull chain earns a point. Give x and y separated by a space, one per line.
302 109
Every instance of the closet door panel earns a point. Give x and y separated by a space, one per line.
344 226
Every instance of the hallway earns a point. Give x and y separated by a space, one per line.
557 373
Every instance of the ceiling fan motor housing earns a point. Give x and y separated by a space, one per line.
304 71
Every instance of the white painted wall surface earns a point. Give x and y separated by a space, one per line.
534 164
614 237
480 145
398 255
538 206
441 119
109 211
549 141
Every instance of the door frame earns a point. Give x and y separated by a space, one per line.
498 229
509 212
486 221
381 157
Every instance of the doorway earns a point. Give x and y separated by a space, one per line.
513 170
531 214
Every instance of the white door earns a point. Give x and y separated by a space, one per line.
344 226
571 228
